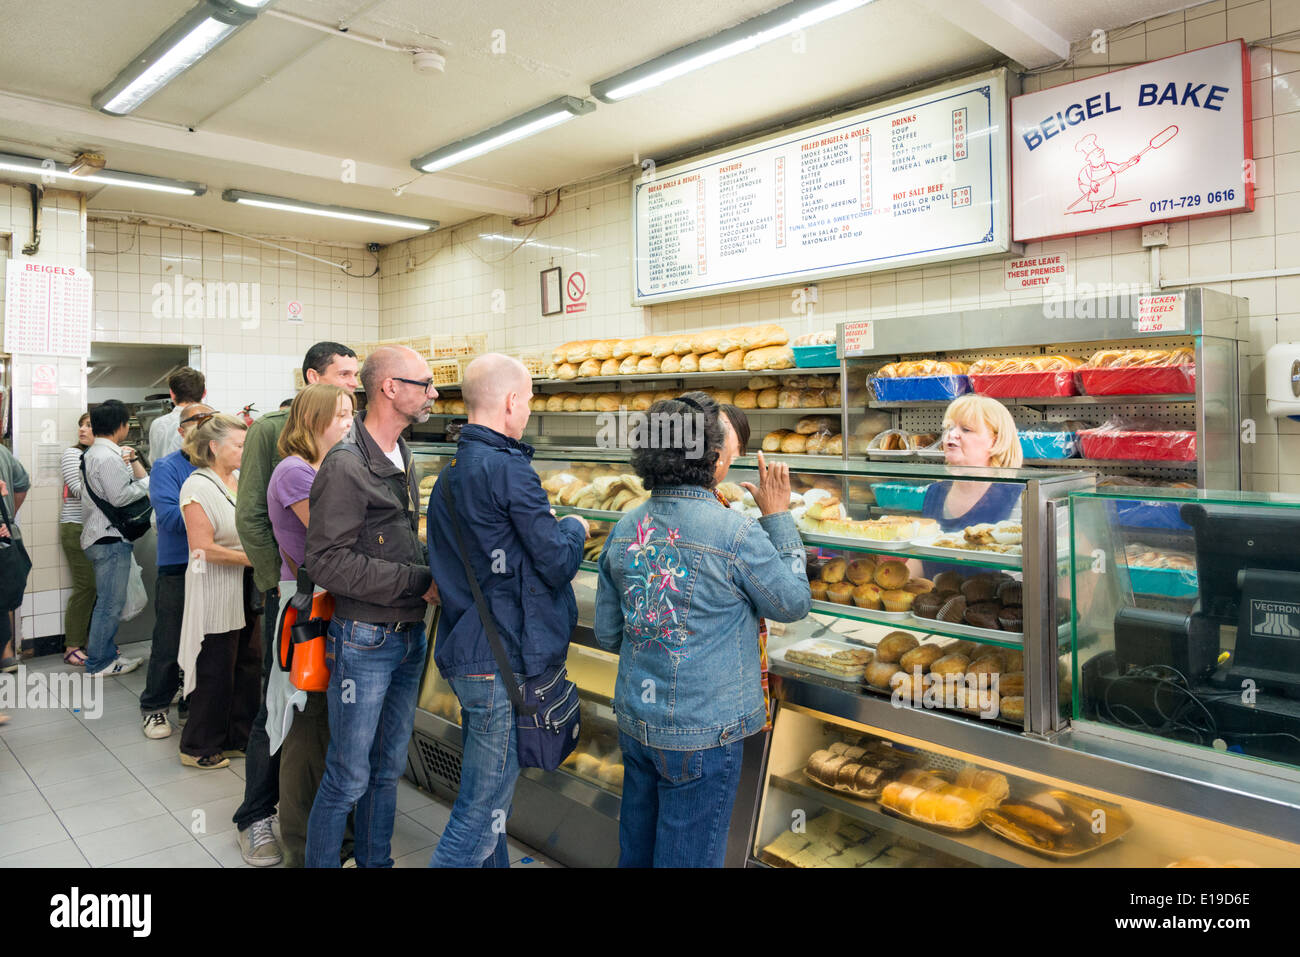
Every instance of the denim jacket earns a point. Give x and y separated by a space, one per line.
683 582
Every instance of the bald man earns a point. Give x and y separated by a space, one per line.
363 545
524 560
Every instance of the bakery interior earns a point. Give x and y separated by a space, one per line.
377 171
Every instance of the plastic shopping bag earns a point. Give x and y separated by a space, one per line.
136 596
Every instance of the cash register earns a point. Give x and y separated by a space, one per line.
1179 675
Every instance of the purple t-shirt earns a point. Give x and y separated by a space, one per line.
290 483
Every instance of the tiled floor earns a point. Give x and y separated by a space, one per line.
78 791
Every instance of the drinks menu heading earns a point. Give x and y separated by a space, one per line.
922 179
47 309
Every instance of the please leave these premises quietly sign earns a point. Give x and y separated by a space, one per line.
1161 141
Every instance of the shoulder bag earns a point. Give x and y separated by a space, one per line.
15 565
132 519
547 719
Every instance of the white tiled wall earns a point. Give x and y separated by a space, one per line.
447 281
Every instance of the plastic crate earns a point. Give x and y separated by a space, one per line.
1136 514
1049 445
1025 384
920 388
538 364
814 357
298 381
1163 582
1171 446
1140 380
900 495
445 372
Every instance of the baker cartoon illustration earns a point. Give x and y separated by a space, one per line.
1097 178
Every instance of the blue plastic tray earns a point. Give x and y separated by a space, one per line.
900 495
1049 445
1163 582
1136 514
920 388
814 357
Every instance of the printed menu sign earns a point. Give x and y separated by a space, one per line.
47 309
915 180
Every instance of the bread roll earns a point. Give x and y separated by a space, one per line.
589 367
566 370
641 401
578 351
723 396
607 402
950 665
834 445
555 403
794 443
702 343
816 423
629 364
922 656
894 645
603 349
690 363
536 404
746 399
682 343
879 672
768 398
772 441
712 362
609 367
588 402
834 571
733 361
664 346
670 363
769 357
649 365
572 402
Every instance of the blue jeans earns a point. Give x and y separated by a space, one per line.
374 678
112 564
476 834
677 805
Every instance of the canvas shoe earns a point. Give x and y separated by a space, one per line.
120 667
257 844
156 726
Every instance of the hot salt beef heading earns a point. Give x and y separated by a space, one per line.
1165 140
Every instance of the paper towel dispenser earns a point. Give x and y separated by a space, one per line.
1282 380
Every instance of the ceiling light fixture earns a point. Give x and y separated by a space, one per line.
182 45
33 167
741 38
287 205
526 124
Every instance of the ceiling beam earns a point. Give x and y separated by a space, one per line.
98 129
1006 27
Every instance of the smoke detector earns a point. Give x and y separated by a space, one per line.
428 61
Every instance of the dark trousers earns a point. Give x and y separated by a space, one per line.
224 699
302 763
164 670
261 767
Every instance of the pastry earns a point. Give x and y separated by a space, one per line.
830 768
868 778
900 797
953 610
992 783
1012 707
867 595
840 592
891 574
1012 683
834 571
894 645
848 772
879 672
919 586
897 599
927 605
922 656
948 581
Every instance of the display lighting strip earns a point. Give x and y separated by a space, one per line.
287 205
31 166
730 42
526 124
182 45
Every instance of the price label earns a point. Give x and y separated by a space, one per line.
1161 314
859 338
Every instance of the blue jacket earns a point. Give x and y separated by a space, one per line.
523 558
683 582
165 481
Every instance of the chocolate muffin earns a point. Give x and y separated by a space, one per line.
983 614
953 610
927 605
978 589
948 581
1010 592
945 593
1012 618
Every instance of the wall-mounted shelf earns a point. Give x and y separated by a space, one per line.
687 376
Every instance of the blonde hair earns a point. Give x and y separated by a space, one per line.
968 410
310 415
197 444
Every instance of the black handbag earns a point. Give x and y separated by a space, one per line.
132 519
547 718
15 564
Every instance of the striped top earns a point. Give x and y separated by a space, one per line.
71 513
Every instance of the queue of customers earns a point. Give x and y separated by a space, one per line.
685 587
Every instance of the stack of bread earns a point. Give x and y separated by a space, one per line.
921 367
812 435
1140 358
605 493
744 348
901 663
450 403
988 600
928 797
867 582
1024 364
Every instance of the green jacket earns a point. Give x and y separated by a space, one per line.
251 518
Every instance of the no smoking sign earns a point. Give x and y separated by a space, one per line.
576 293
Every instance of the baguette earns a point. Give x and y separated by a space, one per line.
578 351
734 361
572 400
609 367
732 338
566 370
607 402
641 401
589 367
702 343
629 364
555 403
711 362
664 346
644 346
690 363
621 349
757 337
588 402
682 344
769 357
560 354
670 363
648 365
603 349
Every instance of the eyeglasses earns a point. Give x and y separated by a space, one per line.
422 383
198 419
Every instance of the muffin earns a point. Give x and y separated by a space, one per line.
979 589
818 589
834 570
867 595
891 574
983 614
927 605
1010 593
861 570
841 593
948 581
897 599
919 586
1012 618
953 610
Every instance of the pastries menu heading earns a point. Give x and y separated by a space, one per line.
915 180
47 309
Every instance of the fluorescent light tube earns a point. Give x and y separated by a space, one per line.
31 166
183 44
739 39
526 124
287 205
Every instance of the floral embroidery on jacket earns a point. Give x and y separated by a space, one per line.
651 581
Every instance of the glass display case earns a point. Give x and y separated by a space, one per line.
1186 619
838 793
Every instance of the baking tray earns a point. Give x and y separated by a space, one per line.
1118 823
832 540
920 547
886 617
937 826
779 655
844 789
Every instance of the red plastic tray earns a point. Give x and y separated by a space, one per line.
1156 446
1025 384
1140 380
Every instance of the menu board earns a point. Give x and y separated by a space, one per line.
917 179
47 309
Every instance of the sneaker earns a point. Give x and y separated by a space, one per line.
257 844
9 665
120 667
156 726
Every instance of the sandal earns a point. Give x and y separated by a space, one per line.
209 762
75 656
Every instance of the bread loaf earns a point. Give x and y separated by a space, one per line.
588 402
641 401
629 364
536 404
603 349
682 343
566 370
746 399
816 423
733 361
712 362
589 367
834 445
661 394
663 346
703 343
648 365
769 398
788 399
578 351
555 403
621 349
670 363
757 337
760 382
812 399
607 402
769 357
772 441
690 363
794 443
732 338
815 443
572 401
644 346
560 354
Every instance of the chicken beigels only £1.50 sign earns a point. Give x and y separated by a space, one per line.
1165 140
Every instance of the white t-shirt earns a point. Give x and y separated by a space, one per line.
395 457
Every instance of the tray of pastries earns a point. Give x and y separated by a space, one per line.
832 839
860 771
878 584
887 531
835 659
1002 540
1058 824
930 798
958 674
602 493
980 605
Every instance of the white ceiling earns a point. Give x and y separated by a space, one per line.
280 107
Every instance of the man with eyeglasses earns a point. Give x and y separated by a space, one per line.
169 474
363 545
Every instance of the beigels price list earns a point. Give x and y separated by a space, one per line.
915 180
47 309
